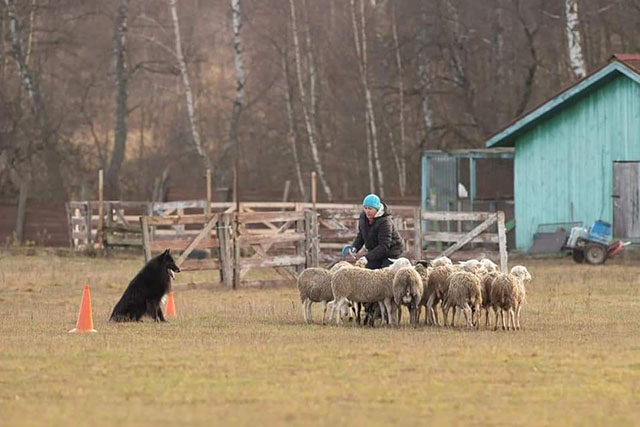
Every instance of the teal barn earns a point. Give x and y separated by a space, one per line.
577 156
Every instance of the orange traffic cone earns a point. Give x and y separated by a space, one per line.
170 308
85 318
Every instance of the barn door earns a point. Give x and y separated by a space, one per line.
626 199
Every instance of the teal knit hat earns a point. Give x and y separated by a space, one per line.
372 201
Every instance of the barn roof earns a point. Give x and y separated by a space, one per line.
625 64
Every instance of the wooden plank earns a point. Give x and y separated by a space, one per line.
278 261
502 234
111 239
456 216
258 239
184 204
471 235
268 205
443 236
256 217
181 244
100 207
325 234
179 220
205 232
200 264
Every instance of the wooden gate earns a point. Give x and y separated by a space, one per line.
283 241
479 234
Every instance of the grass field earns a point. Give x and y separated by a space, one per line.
245 357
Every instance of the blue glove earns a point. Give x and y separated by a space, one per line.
348 250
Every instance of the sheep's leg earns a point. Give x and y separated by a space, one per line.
504 327
332 309
304 310
453 316
399 318
324 311
486 318
429 313
414 311
512 319
518 316
418 313
495 310
391 307
468 316
338 310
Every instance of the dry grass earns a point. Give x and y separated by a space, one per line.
245 357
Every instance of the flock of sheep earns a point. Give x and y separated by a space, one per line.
471 286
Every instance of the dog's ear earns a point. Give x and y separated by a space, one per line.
166 252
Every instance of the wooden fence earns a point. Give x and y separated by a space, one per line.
285 237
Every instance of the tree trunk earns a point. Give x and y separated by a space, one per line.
305 109
292 135
191 110
576 59
361 52
402 162
112 190
46 136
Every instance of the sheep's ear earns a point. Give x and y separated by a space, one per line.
393 259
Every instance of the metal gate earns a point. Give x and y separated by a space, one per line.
626 199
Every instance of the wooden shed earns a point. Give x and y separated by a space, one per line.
577 156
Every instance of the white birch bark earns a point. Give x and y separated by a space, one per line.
361 51
292 134
356 38
240 77
191 111
32 15
576 59
401 155
304 101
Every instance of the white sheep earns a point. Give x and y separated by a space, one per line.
423 269
437 288
487 279
314 285
508 295
465 293
363 285
443 260
489 265
407 290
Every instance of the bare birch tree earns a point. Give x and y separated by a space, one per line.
240 79
112 189
576 59
370 120
305 105
292 134
191 110
401 155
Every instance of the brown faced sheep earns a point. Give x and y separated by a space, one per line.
465 293
487 279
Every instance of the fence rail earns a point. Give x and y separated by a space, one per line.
285 236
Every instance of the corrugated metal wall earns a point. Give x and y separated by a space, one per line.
564 165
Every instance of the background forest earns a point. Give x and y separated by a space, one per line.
156 91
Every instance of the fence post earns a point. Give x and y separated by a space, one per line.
417 233
99 234
311 239
302 246
235 243
144 224
226 250
502 242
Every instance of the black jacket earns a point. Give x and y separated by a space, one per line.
381 238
